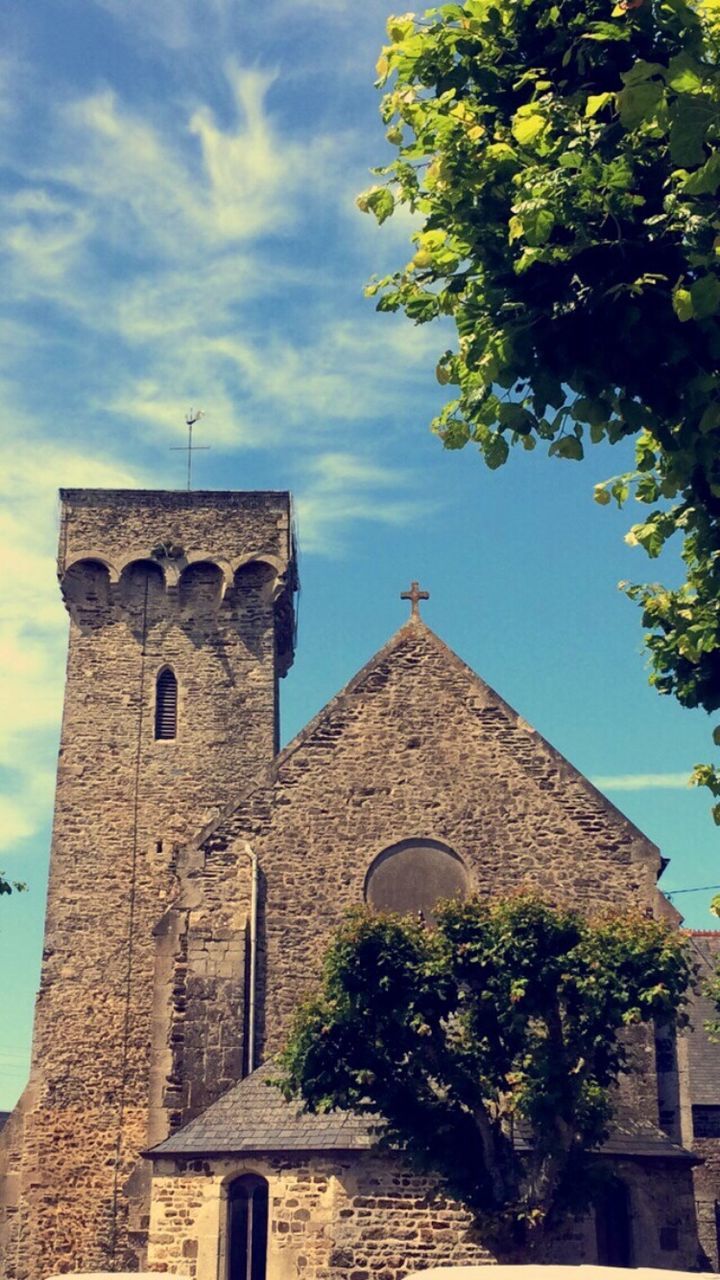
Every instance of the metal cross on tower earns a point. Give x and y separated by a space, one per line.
190 418
415 595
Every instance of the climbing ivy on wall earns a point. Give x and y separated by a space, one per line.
565 158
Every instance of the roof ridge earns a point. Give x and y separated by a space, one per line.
514 736
267 774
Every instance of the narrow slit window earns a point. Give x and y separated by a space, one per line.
166 696
247 1228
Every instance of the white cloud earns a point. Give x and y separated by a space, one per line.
231 185
183 25
176 24
641 781
19 813
32 619
197 207
182 197
345 371
339 490
144 403
192 204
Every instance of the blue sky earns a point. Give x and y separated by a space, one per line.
179 229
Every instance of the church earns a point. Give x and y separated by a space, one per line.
197 873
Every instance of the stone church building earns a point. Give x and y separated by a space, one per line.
197 873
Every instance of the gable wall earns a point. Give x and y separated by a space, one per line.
418 748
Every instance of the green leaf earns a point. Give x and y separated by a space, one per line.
682 304
594 412
502 152
547 391
567 447
538 223
455 435
527 259
527 126
684 74
421 307
604 31
378 200
496 451
511 414
601 495
710 419
641 71
687 131
399 28
596 102
705 294
716 735
705 180
637 102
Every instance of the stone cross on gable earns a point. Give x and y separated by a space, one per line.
415 595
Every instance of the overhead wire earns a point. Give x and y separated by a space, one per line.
700 888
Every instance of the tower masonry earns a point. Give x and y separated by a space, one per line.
181 622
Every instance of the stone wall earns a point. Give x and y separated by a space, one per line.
416 748
202 582
330 1216
344 1217
142 1017
707 1189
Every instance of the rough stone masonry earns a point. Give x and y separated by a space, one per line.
202 582
170 969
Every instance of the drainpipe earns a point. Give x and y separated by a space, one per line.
253 955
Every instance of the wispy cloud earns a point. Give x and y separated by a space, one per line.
28 798
166 234
165 240
32 619
339 489
191 188
641 781
180 25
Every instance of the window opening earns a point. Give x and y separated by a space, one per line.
413 876
247 1228
166 693
613 1225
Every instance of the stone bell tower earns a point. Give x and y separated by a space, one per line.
181 622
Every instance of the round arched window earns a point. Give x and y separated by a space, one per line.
247 1228
413 876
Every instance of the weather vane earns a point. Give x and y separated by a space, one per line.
193 416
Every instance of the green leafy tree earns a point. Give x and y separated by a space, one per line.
7 886
500 1023
565 158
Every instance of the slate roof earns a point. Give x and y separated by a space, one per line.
640 1138
254 1116
636 1139
703 1054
